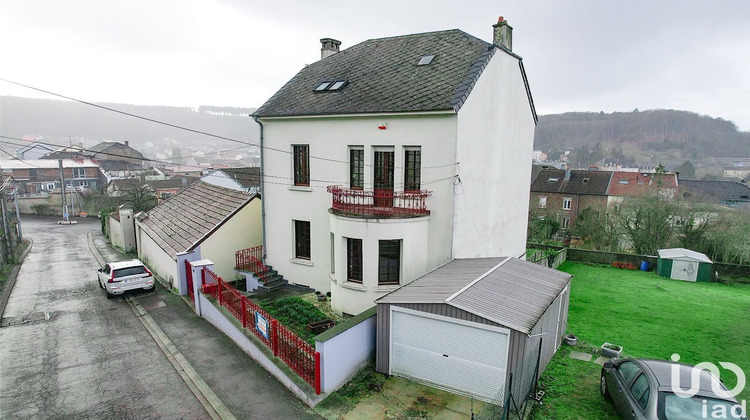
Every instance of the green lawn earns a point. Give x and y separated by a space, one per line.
650 317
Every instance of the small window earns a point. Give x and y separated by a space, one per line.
412 169
553 179
301 165
322 87
623 181
302 239
567 202
585 180
389 262
426 60
354 260
337 85
543 202
356 168
565 223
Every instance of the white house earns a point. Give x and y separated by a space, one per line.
388 159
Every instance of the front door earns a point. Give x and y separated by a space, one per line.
189 276
685 270
383 178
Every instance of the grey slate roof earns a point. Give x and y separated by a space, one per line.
715 191
580 182
515 294
185 220
383 76
248 176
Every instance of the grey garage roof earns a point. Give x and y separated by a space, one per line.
508 291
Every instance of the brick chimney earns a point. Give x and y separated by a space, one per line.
127 143
503 34
329 47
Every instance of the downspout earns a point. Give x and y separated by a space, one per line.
262 190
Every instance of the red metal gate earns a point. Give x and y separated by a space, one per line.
189 275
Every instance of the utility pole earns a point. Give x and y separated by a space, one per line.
8 246
18 216
62 191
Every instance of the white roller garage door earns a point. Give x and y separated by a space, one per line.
459 356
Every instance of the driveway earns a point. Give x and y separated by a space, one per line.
68 352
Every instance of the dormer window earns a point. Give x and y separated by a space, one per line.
330 86
426 60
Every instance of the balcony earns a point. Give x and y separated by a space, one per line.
378 203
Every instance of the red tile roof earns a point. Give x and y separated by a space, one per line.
639 184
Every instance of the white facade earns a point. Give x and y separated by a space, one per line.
478 207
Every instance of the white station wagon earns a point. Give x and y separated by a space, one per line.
118 277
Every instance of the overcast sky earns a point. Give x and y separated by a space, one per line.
579 55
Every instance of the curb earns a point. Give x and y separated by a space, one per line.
205 395
12 279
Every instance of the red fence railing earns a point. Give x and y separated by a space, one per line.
379 203
250 259
299 355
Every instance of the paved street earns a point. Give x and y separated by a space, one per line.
68 352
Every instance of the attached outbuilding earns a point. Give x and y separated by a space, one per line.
467 325
683 264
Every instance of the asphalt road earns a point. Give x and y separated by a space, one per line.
68 352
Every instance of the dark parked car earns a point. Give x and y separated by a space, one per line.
642 389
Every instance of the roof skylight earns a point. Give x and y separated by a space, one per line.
427 59
330 86
337 85
322 86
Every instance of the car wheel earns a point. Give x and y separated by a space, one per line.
603 388
109 295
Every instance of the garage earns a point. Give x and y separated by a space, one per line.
448 360
683 264
465 326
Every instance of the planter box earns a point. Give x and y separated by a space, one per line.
320 326
611 350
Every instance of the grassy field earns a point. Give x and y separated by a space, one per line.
650 317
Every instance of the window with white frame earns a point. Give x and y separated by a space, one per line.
567 202
565 223
543 202
79 172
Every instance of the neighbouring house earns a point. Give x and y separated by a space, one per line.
34 150
683 264
640 184
43 175
727 193
736 172
246 179
562 194
108 150
163 189
183 170
392 157
505 309
203 221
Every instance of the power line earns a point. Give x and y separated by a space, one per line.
179 127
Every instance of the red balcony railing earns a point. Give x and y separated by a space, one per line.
378 203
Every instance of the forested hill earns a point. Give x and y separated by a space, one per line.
663 134
61 121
